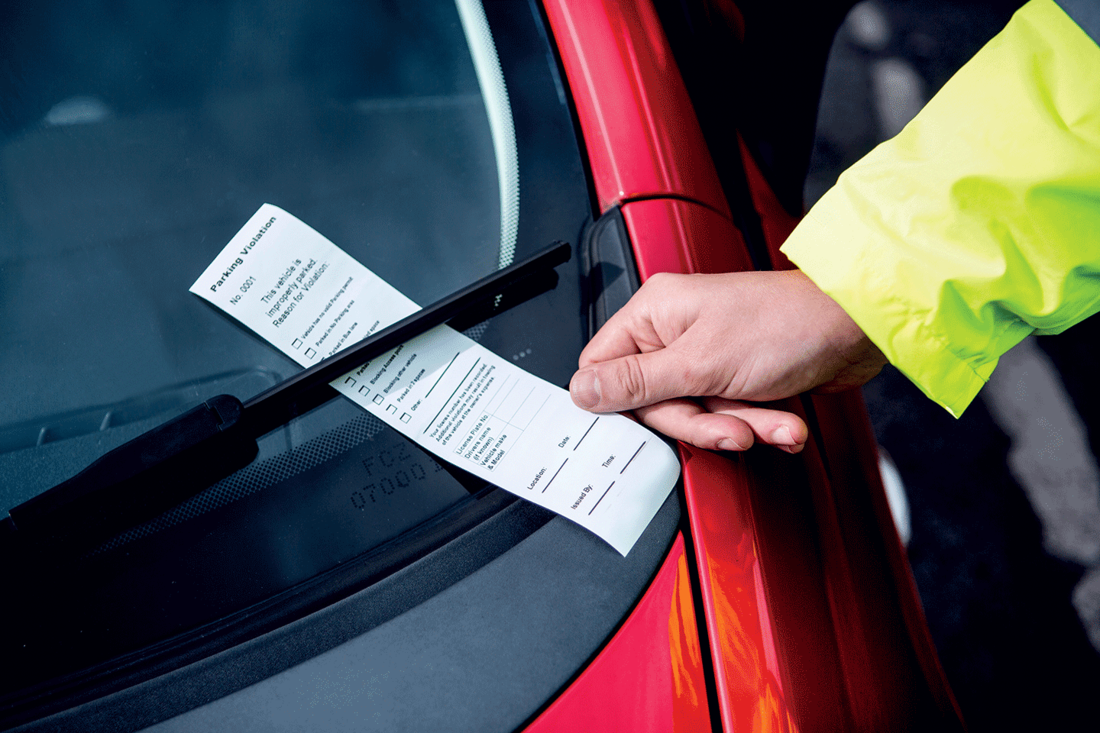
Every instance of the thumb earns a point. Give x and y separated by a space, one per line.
633 381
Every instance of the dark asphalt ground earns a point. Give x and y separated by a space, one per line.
1004 503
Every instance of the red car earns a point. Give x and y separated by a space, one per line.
345 580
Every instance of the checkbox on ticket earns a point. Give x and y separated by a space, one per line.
349 381
364 390
310 353
378 399
297 343
405 417
391 409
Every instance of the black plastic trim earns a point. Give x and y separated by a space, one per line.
489 526
610 275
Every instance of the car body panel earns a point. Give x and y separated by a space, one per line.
635 116
890 652
740 629
811 618
672 235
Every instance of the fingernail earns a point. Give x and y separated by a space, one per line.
729 444
782 436
585 389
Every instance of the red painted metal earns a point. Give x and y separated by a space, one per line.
638 124
649 677
669 235
750 675
888 629
884 644
890 669
811 614
753 696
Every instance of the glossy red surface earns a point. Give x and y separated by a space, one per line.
739 625
670 235
890 666
649 677
889 671
811 616
676 236
636 119
809 608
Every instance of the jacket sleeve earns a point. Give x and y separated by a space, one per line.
980 222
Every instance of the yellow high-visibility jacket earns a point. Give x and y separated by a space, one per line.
980 222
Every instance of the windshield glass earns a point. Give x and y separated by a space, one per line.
135 145
135 140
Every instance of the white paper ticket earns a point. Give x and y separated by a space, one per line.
442 390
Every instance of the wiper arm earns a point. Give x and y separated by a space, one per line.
174 461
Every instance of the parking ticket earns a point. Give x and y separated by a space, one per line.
442 390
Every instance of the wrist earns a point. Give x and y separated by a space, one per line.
849 357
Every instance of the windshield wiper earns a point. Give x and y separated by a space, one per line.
170 463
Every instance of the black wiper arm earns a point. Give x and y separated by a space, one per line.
273 408
174 461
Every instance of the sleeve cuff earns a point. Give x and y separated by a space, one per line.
826 246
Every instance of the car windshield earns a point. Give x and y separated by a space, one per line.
135 140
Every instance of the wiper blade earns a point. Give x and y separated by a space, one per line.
170 463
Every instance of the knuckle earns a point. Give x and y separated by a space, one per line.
699 375
693 375
660 283
663 280
657 280
633 380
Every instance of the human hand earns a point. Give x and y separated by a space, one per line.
728 341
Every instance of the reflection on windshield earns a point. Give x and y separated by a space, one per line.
491 78
136 142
